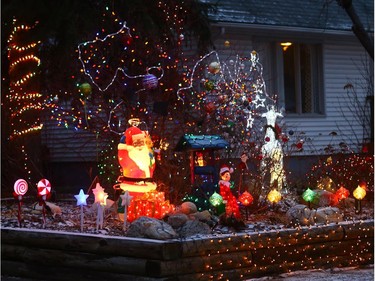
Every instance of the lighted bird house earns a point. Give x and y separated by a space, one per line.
201 149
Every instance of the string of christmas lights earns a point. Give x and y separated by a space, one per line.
24 98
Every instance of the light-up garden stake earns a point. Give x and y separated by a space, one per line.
215 200
274 196
20 189
126 198
101 200
81 201
308 195
342 193
359 193
44 192
246 199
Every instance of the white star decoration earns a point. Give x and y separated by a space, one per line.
126 198
258 101
81 198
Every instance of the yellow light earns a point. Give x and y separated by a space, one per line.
285 45
274 196
359 193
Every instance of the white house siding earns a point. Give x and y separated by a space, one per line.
341 60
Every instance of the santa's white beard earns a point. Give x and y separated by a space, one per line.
140 155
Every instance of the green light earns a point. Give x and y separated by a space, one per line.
308 195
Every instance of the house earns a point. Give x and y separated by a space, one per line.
310 58
312 61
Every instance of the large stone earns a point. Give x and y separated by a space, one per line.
324 198
300 214
328 215
145 227
192 228
188 208
177 220
202 216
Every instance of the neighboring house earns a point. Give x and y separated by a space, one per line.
309 76
312 75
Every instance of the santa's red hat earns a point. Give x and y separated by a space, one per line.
225 168
132 134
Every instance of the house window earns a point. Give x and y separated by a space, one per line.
302 78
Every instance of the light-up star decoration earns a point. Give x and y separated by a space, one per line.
101 199
100 195
125 201
81 198
98 61
81 201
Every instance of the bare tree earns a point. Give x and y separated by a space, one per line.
357 27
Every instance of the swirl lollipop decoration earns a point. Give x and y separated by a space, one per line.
44 192
20 189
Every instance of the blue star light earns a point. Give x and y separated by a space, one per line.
81 198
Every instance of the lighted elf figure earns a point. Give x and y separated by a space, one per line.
230 201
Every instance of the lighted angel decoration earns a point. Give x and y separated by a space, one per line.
272 159
272 164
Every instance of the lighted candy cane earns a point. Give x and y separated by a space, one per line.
44 191
20 189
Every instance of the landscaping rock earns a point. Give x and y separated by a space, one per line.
300 214
188 208
328 215
145 227
193 227
324 198
177 220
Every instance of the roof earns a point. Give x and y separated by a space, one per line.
201 142
315 14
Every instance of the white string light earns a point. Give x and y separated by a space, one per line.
119 69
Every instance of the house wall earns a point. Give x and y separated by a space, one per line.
343 63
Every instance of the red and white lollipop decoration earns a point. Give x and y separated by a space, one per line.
44 191
20 189
44 188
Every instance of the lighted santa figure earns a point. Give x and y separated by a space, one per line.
136 159
138 191
230 201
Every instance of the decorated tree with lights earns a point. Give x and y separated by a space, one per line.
73 101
